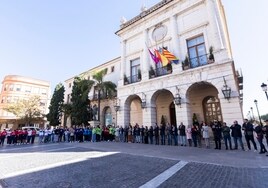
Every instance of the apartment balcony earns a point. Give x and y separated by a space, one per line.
132 79
161 71
197 62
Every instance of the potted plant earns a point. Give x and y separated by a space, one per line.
211 55
125 79
186 63
151 72
139 74
169 68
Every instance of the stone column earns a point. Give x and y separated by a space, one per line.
214 25
175 43
145 61
123 61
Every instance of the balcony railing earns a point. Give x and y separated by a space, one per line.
197 62
132 79
160 71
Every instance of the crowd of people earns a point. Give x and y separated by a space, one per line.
196 135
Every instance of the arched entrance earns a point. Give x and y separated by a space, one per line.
164 106
136 111
204 102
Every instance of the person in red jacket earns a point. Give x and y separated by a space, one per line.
33 135
3 136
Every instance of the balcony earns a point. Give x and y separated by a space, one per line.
161 71
197 62
132 79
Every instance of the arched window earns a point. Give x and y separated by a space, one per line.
212 109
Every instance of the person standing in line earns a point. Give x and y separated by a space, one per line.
151 134
205 133
237 135
217 131
146 135
142 134
163 134
226 136
33 136
169 134
189 135
175 134
195 133
156 134
265 129
182 134
3 136
259 131
248 131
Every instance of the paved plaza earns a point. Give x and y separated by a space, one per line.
110 164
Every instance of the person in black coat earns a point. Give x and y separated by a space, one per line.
248 130
237 135
217 132
259 131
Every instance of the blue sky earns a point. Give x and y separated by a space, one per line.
54 40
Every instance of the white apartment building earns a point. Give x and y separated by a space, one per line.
209 88
16 88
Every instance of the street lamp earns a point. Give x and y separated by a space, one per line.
251 108
256 103
264 88
143 100
177 99
226 90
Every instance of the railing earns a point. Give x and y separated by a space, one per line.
132 79
160 71
198 61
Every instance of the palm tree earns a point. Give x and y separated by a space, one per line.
107 88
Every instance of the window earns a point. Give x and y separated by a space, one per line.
36 90
42 103
27 89
6 86
15 99
11 87
212 109
8 99
135 67
112 69
197 51
43 91
70 85
3 99
68 98
18 87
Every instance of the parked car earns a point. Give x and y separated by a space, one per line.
32 128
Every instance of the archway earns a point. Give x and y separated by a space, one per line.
204 102
163 102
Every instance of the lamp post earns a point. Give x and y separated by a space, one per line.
256 103
251 108
116 108
264 88
226 90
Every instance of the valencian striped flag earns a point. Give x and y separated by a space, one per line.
172 58
154 57
162 58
